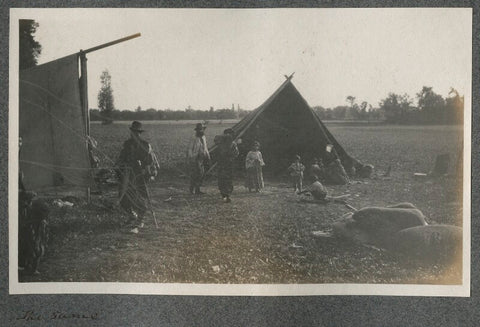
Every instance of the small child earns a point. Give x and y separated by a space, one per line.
296 171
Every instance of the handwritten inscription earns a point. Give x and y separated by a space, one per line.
31 315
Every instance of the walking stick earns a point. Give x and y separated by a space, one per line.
150 202
210 169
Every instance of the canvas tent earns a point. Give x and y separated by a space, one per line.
285 125
54 122
53 125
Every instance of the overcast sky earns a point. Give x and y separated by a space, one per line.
212 57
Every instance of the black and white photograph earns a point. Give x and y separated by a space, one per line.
240 151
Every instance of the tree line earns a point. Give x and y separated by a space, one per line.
167 114
431 108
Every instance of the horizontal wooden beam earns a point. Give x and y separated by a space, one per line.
98 47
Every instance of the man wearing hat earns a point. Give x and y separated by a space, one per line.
197 154
227 152
137 165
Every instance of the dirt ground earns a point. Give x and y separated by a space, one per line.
258 238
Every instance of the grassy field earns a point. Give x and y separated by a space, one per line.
168 140
407 148
258 238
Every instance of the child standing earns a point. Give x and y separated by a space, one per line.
253 164
296 171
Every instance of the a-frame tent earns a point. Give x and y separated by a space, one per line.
285 125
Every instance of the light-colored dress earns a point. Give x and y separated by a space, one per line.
254 163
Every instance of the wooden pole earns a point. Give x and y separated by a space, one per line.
86 112
84 88
98 47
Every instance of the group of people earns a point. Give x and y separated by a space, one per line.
226 154
198 155
137 165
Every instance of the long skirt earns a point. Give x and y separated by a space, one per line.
225 178
254 178
197 172
133 189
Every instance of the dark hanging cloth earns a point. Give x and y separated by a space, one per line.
52 126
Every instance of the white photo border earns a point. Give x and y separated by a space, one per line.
15 287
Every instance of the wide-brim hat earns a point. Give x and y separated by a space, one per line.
136 127
200 127
229 131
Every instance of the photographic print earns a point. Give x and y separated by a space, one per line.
240 151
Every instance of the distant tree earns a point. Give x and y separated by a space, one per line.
95 115
242 113
375 113
30 49
351 100
396 107
328 113
339 112
431 105
138 109
105 96
362 110
320 111
150 114
353 111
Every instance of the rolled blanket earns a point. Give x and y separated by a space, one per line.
379 225
431 243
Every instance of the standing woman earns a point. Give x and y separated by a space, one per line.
227 152
254 163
